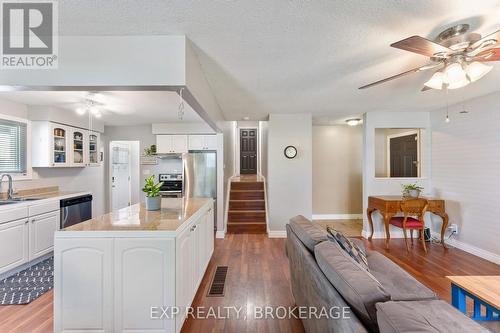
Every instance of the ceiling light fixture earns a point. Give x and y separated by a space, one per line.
477 70
353 121
456 75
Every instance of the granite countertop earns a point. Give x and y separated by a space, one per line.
173 214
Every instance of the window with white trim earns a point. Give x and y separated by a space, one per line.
13 147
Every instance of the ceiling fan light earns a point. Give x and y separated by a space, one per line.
353 122
436 81
455 73
477 70
458 84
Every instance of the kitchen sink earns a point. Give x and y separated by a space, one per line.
16 200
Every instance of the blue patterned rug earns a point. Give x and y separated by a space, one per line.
28 284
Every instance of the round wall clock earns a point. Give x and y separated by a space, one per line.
290 152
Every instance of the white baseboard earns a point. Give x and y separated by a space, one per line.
337 216
220 234
490 256
276 233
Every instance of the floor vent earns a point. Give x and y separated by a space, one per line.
218 282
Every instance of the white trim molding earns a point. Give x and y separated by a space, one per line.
220 234
490 256
276 233
337 216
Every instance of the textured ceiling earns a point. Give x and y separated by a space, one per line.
263 57
118 108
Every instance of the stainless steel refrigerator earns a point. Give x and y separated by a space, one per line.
200 175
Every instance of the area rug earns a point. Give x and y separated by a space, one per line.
28 284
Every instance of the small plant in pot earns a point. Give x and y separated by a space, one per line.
411 190
152 190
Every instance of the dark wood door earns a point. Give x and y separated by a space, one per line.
248 151
404 156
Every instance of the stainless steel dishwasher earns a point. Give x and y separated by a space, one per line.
75 210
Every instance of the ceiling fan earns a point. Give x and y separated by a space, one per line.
458 56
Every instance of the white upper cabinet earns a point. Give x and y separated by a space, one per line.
56 145
202 142
169 144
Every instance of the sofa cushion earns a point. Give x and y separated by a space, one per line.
309 233
423 316
360 244
396 281
356 285
347 245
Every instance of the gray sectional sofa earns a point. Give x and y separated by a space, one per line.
383 299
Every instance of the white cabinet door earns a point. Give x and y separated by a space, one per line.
143 278
196 142
78 153
60 145
13 244
94 149
179 144
184 268
202 243
210 234
210 142
83 285
41 234
163 144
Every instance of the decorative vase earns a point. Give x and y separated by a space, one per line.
414 193
153 203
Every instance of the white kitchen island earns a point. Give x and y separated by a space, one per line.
111 271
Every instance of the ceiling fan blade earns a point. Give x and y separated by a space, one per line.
488 42
414 70
488 55
423 46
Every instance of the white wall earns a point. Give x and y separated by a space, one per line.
391 186
289 180
466 172
182 128
263 136
337 170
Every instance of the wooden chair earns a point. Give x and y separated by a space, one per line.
412 219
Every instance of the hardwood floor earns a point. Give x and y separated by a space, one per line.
350 228
258 275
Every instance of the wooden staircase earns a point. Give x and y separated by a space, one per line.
247 207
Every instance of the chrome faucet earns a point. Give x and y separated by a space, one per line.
10 191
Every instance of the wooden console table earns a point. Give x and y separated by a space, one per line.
390 205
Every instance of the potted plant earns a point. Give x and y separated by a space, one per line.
411 190
153 199
150 151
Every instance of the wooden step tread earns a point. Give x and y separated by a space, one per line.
247 211
243 200
245 223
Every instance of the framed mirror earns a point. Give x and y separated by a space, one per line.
398 152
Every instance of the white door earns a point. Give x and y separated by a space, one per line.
14 244
42 228
120 175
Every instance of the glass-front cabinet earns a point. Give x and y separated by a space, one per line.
59 145
93 144
79 147
56 145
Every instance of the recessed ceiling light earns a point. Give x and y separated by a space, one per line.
353 121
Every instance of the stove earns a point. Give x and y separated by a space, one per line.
172 185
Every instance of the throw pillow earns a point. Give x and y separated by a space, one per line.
356 253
